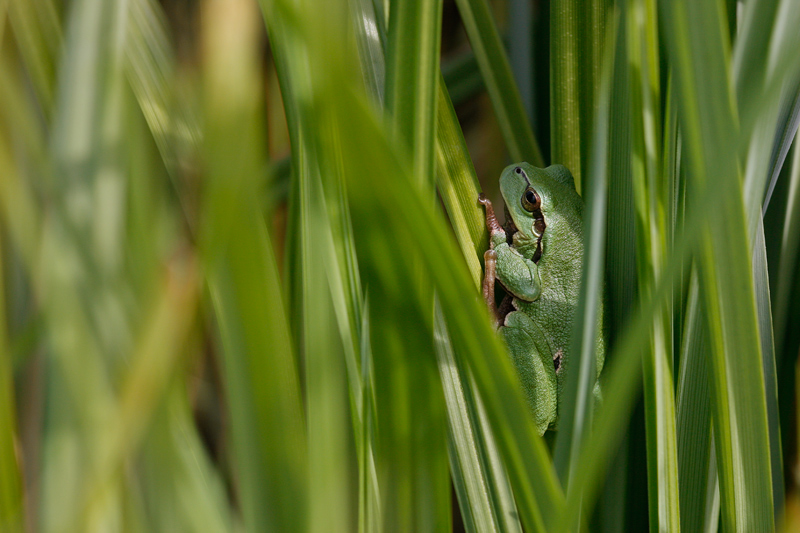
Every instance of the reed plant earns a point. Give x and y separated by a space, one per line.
241 251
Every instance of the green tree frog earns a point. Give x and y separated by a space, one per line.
537 258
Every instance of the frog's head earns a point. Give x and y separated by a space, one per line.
533 197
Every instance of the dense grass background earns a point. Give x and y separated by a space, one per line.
241 251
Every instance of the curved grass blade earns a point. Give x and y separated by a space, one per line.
789 117
789 256
764 314
456 180
399 211
458 186
150 69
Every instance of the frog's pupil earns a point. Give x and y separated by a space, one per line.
529 197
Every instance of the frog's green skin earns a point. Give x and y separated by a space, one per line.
541 277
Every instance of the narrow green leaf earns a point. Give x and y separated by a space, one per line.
493 62
459 188
709 127
621 383
694 415
397 210
789 118
764 314
456 180
621 274
483 493
653 199
150 69
790 248
412 76
577 35
267 421
11 509
577 404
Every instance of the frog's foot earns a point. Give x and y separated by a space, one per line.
491 220
490 267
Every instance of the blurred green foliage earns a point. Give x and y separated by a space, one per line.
240 260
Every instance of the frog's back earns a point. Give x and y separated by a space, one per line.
560 271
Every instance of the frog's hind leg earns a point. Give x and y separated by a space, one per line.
533 360
490 266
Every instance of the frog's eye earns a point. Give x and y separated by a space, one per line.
530 200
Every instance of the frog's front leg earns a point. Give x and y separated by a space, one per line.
532 356
519 275
490 258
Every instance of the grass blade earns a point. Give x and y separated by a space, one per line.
497 76
577 405
259 369
483 494
653 199
399 211
577 35
459 188
694 416
11 509
412 77
741 429
764 315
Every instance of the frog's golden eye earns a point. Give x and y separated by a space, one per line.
530 200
